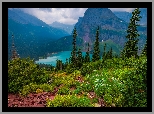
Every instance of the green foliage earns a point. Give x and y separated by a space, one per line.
136 84
59 65
61 78
130 48
122 82
33 87
87 57
79 59
22 72
144 51
69 101
47 67
96 52
64 90
73 53
70 69
89 67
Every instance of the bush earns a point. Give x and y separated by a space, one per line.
67 80
22 72
33 87
69 101
64 90
136 84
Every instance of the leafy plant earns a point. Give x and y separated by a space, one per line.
64 90
22 72
33 87
69 101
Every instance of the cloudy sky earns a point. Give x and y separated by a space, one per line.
62 15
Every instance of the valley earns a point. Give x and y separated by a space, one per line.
102 62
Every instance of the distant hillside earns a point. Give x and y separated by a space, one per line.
30 34
65 27
65 44
126 16
112 31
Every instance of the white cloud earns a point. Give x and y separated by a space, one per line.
63 15
122 9
50 15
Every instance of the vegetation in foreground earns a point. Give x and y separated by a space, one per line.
119 80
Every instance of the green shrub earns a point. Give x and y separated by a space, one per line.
22 72
65 80
39 91
136 86
64 90
69 101
33 87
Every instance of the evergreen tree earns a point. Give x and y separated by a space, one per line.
83 59
130 48
87 57
104 52
59 65
79 58
73 53
66 62
69 60
96 52
110 53
107 56
144 51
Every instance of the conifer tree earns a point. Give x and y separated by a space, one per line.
104 53
57 64
73 53
66 62
87 57
144 51
110 53
79 58
130 48
96 52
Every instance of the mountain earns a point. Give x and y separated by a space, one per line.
126 16
30 34
111 27
112 31
65 27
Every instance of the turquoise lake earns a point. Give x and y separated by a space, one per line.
60 56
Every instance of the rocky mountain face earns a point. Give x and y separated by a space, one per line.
102 17
111 27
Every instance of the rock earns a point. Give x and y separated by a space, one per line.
97 105
113 105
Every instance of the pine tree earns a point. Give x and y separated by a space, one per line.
14 52
66 62
79 58
87 57
73 53
144 51
130 48
57 64
104 53
96 52
110 53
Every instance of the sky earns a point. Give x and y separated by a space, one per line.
63 15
